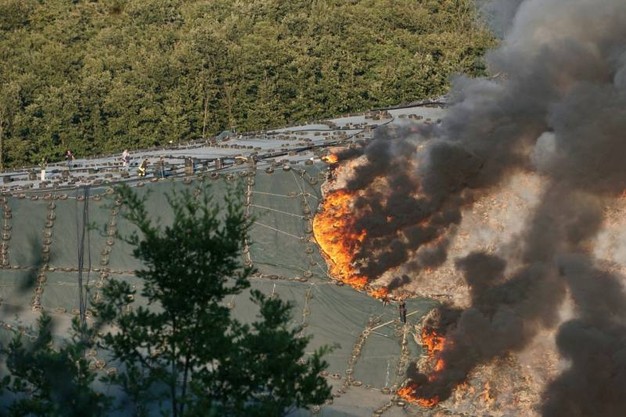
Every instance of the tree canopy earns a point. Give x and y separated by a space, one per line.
100 76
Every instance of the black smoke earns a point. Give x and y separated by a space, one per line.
555 106
594 344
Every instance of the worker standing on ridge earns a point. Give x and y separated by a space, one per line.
69 157
43 164
161 166
125 158
141 171
402 309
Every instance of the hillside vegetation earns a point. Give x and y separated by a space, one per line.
99 76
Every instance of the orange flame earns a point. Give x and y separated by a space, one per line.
335 232
409 394
434 344
330 158
487 394
432 341
439 366
379 293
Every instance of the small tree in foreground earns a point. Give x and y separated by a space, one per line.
183 352
48 380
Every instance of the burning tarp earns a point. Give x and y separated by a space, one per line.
555 115
337 235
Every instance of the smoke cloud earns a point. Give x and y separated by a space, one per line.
556 107
499 15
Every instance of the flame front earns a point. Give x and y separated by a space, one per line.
381 293
487 395
434 344
409 393
336 234
330 158
432 341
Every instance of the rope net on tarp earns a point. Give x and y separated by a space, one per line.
50 246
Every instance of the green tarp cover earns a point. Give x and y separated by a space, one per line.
41 254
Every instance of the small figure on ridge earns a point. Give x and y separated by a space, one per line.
125 158
402 309
69 157
141 171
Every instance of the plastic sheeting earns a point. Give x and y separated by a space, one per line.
46 231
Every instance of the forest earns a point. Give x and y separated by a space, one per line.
98 76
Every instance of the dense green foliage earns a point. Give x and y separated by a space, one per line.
46 381
184 349
97 76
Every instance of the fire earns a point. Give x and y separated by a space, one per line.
330 158
335 232
439 366
432 341
380 293
409 394
434 344
487 394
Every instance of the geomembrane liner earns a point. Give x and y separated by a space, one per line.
48 232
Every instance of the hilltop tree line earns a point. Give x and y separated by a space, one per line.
98 76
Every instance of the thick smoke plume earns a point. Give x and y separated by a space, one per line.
556 106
